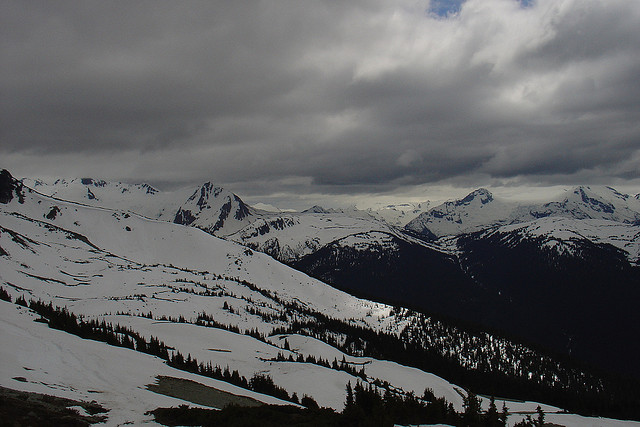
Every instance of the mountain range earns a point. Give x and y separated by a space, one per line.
490 298
480 210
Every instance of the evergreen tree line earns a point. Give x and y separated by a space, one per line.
475 360
425 344
365 406
576 391
335 365
469 357
120 336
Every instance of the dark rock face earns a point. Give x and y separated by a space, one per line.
224 214
596 205
184 217
94 182
10 187
149 189
53 213
243 211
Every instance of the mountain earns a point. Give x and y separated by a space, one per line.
399 214
594 203
477 277
86 189
142 199
553 281
477 210
319 210
572 285
480 210
214 210
289 236
391 268
149 292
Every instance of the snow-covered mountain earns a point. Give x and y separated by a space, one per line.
477 210
290 236
139 198
211 208
214 210
564 235
593 203
577 278
399 214
220 303
285 236
480 210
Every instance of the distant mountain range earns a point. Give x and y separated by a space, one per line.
480 210
479 259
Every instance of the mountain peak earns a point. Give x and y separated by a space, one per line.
210 207
149 188
316 209
481 194
592 200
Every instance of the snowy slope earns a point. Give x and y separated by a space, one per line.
117 266
594 203
98 262
561 234
53 362
286 236
480 209
132 242
140 198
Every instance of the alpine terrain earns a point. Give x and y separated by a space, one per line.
118 300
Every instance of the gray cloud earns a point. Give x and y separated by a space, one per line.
335 97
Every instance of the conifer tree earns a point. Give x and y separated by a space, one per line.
504 414
540 420
492 418
471 416
349 402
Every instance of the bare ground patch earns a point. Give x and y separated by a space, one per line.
20 408
194 392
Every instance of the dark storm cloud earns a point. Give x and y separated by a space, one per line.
330 96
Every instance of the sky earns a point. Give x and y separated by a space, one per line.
290 102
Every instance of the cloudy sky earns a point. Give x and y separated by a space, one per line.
342 100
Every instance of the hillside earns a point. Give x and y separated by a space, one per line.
219 303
